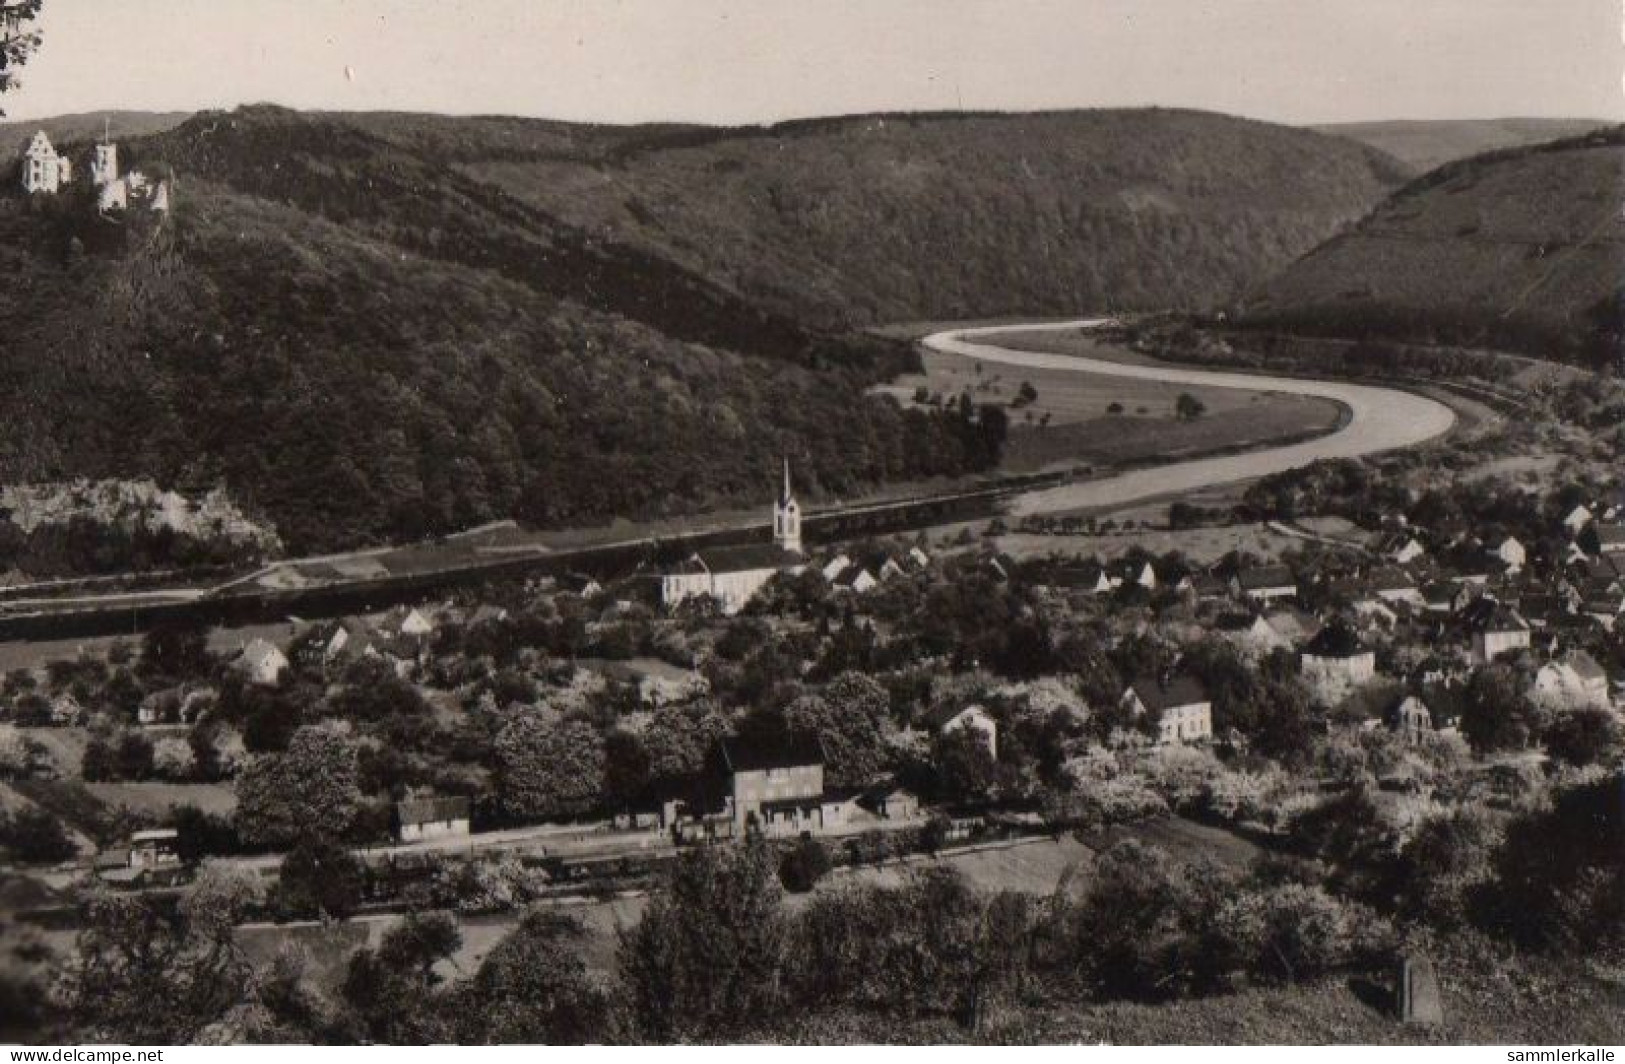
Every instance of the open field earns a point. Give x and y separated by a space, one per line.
64 746
157 799
1379 419
1081 425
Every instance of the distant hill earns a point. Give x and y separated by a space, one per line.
379 326
849 222
14 135
1428 145
1522 250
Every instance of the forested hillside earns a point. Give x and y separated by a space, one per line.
372 327
1522 250
363 352
853 221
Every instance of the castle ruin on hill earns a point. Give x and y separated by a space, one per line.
46 172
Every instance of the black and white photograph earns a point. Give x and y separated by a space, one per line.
981 523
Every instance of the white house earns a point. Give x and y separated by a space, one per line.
836 566
262 662
44 171
1411 719
1494 629
1401 548
416 623
1184 708
733 575
1577 519
945 719
1512 552
431 818
1574 682
1267 583
1336 662
855 578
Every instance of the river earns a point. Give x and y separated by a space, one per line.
1380 419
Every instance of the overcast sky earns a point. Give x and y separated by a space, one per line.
737 61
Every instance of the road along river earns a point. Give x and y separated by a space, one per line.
1380 419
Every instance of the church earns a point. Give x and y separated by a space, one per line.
731 575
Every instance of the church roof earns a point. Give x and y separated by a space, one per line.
749 557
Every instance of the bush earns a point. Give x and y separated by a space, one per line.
1587 736
806 863
319 880
34 836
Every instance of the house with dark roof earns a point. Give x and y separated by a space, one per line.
1493 629
1183 708
1337 661
418 819
1266 583
1400 546
1090 578
1605 538
775 782
1394 585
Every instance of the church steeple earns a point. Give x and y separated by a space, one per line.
787 516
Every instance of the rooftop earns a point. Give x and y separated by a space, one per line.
778 750
747 558
1171 692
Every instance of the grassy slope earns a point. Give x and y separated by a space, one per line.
869 219
1522 250
1081 427
1428 145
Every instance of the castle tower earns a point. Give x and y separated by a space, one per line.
104 167
787 517
42 167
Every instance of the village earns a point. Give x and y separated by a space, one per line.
886 697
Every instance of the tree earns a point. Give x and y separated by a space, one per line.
547 769
15 755
706 957
35 836
1585 736
18 38
1188 407
176 651
626 768
1560 873
394 991
1496 714
319 879
966 771
804 865
153 973
534 987
310 792
850 738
